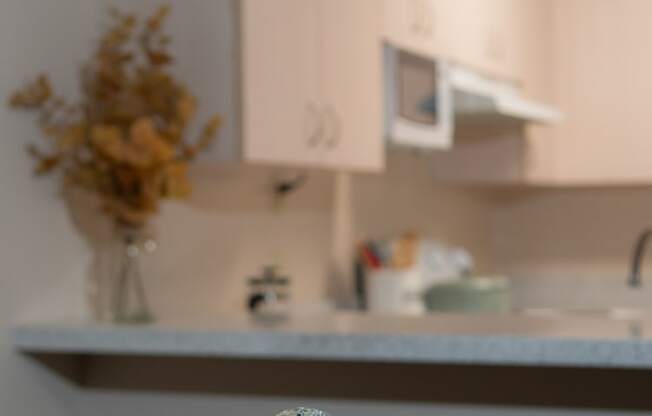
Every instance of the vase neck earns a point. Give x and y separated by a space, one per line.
129 233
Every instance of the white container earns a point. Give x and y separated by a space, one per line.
395 291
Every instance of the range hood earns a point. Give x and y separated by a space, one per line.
477 95
430 103
484 108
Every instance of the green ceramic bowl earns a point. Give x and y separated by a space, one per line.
476 295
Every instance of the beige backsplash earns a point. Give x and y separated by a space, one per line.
572 232
407 198
231 228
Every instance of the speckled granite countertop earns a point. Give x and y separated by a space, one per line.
566 341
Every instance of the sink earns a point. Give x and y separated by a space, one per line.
619 314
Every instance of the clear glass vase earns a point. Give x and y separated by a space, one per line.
127 299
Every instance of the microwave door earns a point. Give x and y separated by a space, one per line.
420 102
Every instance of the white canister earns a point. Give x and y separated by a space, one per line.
395 291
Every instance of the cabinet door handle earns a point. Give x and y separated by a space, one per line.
422 19
332 120
416 27
428 19
314 125
417 19
495 46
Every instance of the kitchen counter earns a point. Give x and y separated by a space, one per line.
510 340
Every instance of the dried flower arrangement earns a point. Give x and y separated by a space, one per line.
126 138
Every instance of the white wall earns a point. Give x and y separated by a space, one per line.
39 256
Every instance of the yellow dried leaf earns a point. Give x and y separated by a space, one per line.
33 95
151 145
125 213
108 141
212 126
72 137
158 57
155 22
44 163
186 107
205 138
84 176
175 181
174 133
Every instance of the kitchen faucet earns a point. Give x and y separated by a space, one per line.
637 258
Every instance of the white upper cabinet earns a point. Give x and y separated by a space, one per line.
481 34
414 25
311 83
476 33
603 65
280 85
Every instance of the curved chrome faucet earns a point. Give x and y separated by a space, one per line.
639 249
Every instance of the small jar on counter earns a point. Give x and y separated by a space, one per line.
269 295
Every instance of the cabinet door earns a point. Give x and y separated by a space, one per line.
503 33
480 34
280 118
603 58
414 25
352 83
465 30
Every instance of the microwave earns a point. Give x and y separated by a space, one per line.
428 101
